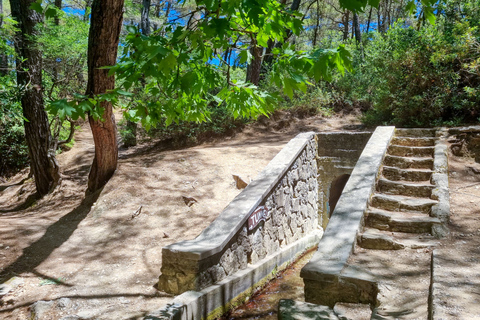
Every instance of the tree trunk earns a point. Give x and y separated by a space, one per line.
379 20
43 164
105 25
356 27
144 20
369 19
317 26
346 20
3 56
58 4
253 69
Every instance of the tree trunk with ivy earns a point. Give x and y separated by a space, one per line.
105 25
43 164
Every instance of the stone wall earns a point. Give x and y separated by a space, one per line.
338 153
283 198
466 141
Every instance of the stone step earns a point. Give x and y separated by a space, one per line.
378 241
386 240
400 222
396 174
421 189
402 203
414 142
408 162
408 151
415 132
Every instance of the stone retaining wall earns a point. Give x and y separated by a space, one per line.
338 153
284 198
327 277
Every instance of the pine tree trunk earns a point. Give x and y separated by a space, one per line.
105 25
346 20
3 56
369 19
29 73
144 20
356 28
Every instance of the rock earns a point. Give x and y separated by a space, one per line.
74 317
10 285
295 310
189 201
239 182
64 303
40 309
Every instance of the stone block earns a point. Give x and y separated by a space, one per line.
295 310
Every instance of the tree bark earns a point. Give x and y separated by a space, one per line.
253 69
144 20
346 20
369 19
105 25
317 26
43 164
356 27
3 56
58 4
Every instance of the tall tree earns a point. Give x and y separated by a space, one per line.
105 26
144 19
3 56
29 78
356 28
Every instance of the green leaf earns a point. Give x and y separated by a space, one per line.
37 6
411 7
429 15
353 5
245 56
51 13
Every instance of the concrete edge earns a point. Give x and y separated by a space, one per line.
213 239
440 180
217 299
341 233
435 310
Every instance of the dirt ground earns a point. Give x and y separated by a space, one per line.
95 258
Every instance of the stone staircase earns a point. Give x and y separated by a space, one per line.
402 202
400 218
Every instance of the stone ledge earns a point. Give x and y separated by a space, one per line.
217 299
218 234
341 233
440 180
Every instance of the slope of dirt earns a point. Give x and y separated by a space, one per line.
99 258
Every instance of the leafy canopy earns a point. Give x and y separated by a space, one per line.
187 66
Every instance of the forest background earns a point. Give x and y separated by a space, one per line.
189 69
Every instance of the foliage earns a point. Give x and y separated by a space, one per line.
64 49
14 153
423 77
188 69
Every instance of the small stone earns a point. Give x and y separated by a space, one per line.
239 182
74 317
64 303
189 201
39 309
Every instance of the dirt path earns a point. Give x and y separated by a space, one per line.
94 261
97 262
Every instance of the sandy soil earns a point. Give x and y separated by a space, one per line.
95 258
